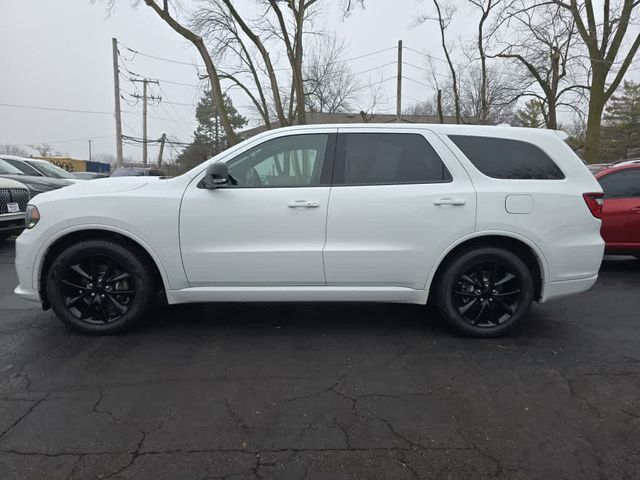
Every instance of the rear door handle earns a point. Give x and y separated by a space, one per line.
303 204
636 209
456 202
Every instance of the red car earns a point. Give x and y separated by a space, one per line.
621 210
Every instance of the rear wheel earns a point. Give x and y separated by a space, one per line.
485 292
99 287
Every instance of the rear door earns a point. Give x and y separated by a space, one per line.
399 199
621 211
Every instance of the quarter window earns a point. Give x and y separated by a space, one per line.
293 161
507 159
623 184
387 158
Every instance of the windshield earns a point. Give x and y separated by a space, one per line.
51 170
7 169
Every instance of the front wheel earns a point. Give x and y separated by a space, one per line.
99 287
485 292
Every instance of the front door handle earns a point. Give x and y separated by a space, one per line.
303 204
636 209
456 202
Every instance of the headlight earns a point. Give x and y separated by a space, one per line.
32 216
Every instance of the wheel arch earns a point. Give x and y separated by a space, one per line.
67 238
523 248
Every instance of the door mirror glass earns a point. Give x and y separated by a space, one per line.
217 176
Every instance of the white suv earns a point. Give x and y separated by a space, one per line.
480 220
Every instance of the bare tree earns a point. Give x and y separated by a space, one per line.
251 42
487 95
444 19
330 86
611 52
43 149
216 90
543 40
14 150
485 7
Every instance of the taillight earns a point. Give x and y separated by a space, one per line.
595 201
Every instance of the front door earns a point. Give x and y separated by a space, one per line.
400 199
621 210
269 228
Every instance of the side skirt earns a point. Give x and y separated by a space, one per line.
297 294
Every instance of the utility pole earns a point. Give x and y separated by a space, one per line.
162 140
399 88
89 149
116 96
145 82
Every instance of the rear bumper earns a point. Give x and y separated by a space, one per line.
566 287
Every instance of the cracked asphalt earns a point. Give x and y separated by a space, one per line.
324 391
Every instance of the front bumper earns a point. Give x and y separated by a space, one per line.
27 294
12 223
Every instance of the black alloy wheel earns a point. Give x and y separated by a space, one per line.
101 287
488 294
97 289
484 292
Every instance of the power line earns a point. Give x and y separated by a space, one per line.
68 140
54 109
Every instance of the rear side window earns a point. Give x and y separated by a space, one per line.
624 184
507 159
387 158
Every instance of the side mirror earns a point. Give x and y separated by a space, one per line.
217 176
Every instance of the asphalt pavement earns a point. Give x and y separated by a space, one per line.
324 392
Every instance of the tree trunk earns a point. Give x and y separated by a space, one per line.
594 123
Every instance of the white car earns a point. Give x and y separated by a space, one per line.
480 220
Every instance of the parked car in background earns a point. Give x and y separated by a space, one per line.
90 175
34 183
481 220
36 167
137 172
596 167
14 197
621 210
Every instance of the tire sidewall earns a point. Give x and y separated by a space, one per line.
142 283
460 265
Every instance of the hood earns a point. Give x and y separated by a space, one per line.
39 183
9 183
99 186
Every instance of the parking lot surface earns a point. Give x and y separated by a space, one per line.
324 391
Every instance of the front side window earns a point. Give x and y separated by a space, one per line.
23 167
388 158
293 161
507 159
624 184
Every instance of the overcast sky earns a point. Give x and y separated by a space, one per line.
57 54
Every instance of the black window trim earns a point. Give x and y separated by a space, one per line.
326 173
337 179
464 157
610 174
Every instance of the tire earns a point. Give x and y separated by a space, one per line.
100 287
497 309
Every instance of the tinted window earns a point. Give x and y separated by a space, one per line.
388 158
507 159
129 172
293 161
622 184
